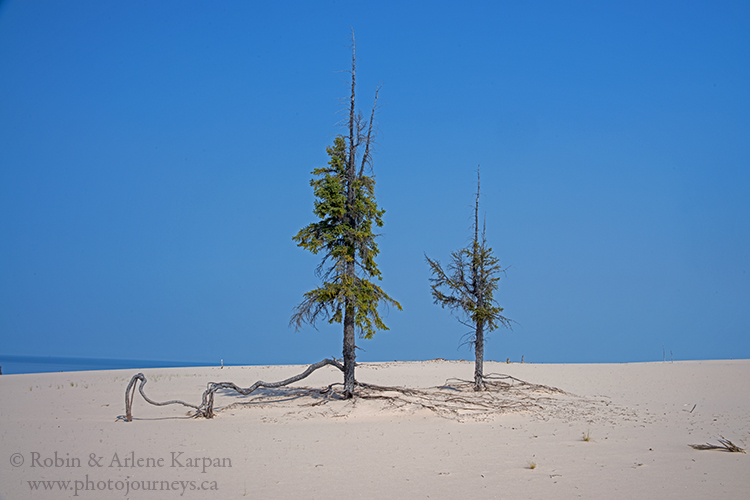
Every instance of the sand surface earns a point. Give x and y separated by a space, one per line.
61 430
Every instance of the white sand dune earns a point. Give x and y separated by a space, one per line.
640 418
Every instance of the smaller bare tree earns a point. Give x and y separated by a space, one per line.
468 287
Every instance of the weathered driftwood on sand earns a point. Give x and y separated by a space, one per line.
206 408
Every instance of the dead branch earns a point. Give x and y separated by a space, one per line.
206 408
726 445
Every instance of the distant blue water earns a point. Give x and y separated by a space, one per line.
43 364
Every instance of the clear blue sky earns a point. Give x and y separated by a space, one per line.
155 160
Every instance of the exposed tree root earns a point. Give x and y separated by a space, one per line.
206 408
455 399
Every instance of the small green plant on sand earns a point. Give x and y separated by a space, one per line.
587 436
532 465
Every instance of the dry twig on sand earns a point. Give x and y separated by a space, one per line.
726 445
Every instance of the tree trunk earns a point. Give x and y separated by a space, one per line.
350 271
479 358
349 352
477 287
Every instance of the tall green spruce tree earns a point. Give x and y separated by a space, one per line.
468 287
347 211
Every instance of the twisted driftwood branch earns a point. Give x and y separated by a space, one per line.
206 408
